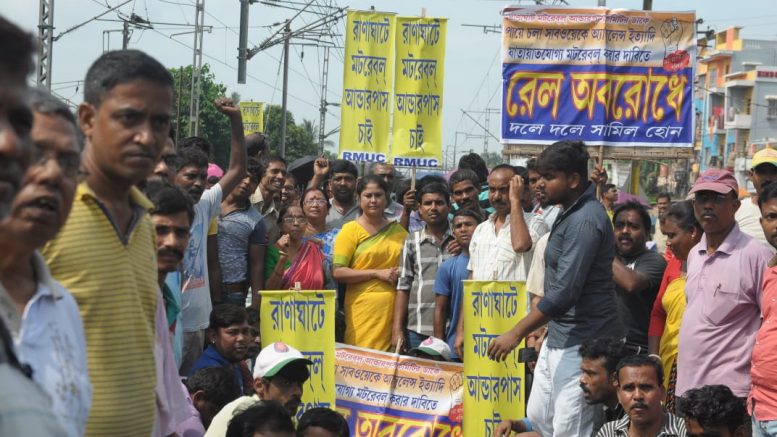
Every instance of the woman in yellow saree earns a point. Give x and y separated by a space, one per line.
682 232
366 259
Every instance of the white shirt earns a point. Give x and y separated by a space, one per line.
748 217
220 423
491 255
195 297
535 281
51 341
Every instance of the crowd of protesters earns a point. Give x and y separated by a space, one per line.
130 271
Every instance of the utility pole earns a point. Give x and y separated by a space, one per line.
286 37
125 35
242 49
194 97
46 41
178 107
307 31
322 109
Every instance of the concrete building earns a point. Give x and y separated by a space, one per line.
736 93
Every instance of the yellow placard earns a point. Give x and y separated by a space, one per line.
367 85
253 117
493 391
305 320
419 73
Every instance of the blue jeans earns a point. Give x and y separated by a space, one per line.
414 339
764 428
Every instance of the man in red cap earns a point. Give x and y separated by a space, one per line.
723 292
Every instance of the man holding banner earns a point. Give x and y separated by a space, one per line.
579 301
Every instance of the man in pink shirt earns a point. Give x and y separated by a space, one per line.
723 291
762 402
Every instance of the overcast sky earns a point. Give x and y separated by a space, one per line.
472 64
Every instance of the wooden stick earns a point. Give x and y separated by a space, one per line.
412 179
600 163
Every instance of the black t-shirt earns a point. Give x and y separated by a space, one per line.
635 308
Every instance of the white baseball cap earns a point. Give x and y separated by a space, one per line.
435 347
275 357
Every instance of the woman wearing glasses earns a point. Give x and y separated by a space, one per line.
294 259
315 205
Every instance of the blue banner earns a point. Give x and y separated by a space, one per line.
607 77
599 104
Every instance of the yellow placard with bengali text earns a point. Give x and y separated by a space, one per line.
493 391
419 72
253 117
304 320
367 85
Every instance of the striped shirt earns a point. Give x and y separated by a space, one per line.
421 257
114 281
674 426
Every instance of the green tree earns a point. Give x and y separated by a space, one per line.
213 126
300 139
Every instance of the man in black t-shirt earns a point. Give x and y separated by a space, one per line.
637 272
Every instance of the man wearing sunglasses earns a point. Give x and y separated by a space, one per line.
723 291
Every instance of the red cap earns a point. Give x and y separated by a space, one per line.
717 180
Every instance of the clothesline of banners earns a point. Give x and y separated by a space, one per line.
609 77
381 393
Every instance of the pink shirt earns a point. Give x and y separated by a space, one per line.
722 315
764 370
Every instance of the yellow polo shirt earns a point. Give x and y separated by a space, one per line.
115 285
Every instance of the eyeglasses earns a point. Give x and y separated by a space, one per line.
68 162
717 198
292 220
314 202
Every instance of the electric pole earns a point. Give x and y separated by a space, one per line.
286 36
322 109
242 49
194 97
125 35
46 40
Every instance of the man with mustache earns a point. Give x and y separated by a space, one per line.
636 271
541 206
48 312
280 374
579 294
342 184
763 171
25 408
498 245
242 241
598 382
723 291
197 294
641 392
171 217
422 254
272 177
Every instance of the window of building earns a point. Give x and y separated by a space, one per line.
771 111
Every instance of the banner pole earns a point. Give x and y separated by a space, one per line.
600 163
